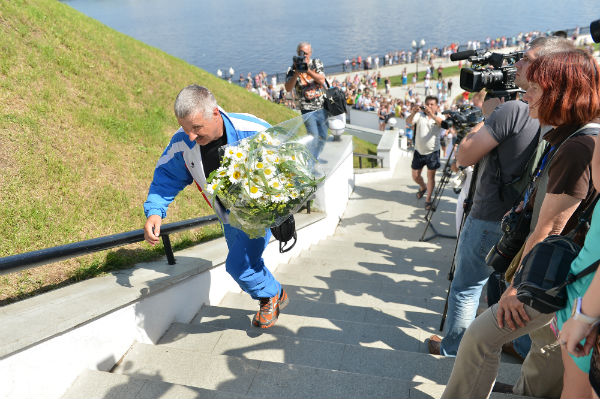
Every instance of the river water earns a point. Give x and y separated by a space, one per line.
261 35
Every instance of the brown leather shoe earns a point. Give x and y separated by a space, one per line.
434 344
502 387
509 349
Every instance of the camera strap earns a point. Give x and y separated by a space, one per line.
524 175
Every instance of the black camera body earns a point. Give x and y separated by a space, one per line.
515 228
462 120
495 72
299 61
595 30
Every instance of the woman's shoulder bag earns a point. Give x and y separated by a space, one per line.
545 272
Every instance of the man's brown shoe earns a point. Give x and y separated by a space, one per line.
434 344
269 310
502 387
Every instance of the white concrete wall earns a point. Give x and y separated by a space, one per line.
389 149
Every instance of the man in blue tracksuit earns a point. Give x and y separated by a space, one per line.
191 156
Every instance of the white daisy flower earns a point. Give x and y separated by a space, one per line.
259 165
210 188
240 155
230 152
279 197
275 184
269 172
254 191
221 172
235 175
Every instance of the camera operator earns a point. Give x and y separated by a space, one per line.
306 76
503 147
427 120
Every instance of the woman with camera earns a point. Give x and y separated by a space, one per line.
563 92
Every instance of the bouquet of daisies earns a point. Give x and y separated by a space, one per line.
265 178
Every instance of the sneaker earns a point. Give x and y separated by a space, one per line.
283 299
269 310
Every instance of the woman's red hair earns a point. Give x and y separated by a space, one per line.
570 83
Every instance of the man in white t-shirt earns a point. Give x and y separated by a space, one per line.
427 120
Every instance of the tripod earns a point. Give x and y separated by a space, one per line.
467 208
446 174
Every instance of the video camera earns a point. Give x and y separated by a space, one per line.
299 61
595 30
462 120
495 72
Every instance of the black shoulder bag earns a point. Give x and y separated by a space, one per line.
284 232
334 100
542 281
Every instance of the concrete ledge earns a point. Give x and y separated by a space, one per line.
389 149
372 136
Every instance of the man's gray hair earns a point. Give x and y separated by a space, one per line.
193 99
551 44
302 44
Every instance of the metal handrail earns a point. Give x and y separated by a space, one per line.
368 156
13 263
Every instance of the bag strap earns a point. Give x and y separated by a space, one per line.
571 278
282 244
586 216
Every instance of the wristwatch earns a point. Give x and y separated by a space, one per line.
577 315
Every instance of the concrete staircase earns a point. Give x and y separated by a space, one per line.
362 304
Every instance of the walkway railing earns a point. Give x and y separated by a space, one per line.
28 260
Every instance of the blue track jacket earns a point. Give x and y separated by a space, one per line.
181 164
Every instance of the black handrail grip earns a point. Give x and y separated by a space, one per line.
28 260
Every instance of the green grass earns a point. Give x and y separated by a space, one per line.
397 80
364 147
85 112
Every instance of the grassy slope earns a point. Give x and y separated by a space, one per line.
85 112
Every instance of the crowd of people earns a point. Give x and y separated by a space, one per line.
366 67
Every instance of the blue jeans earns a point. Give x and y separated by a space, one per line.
245 263
476 239
316 125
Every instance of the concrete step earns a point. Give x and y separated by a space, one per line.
429 391
357 306
297 350
255 378
403 253
404 336
93 384
393 272
366 372
379 288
